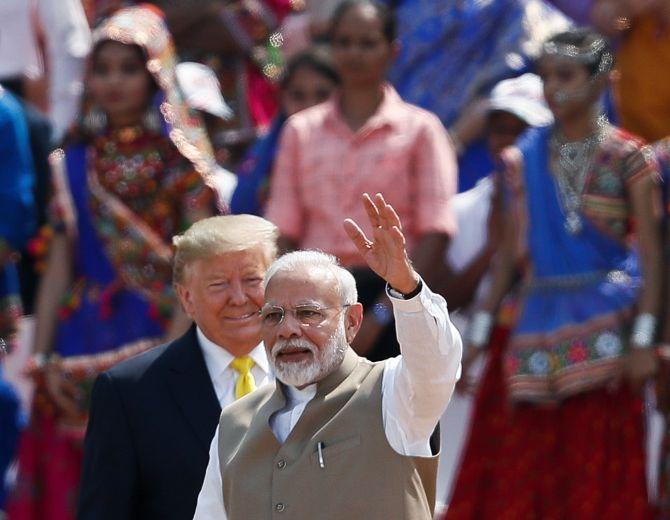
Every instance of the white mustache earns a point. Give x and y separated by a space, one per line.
284 344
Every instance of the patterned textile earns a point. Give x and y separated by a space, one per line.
583 459
580 289
118 199
145 27
452 52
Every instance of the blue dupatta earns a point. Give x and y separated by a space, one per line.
571 330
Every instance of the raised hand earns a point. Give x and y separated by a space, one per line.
385 254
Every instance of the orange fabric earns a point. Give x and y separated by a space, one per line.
323 168
644 87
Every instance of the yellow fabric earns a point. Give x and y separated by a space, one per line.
644 87
245 382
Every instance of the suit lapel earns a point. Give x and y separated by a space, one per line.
192 389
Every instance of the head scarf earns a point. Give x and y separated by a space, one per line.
144 26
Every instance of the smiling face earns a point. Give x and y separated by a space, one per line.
361 52
299 353
119 82
223 295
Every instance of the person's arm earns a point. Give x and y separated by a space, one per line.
284 206
427 260
419 384
210 499
109 483
646 212
435 175
459 287
54 283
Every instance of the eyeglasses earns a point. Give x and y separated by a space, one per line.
306 315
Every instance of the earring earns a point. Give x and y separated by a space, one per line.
95 121
152 120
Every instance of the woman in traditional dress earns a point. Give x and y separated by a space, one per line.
134 175
558 426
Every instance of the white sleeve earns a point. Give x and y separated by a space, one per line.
418 384
68 42
210 499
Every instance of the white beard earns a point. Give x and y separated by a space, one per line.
324 361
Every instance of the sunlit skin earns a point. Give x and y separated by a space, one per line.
503 131
119 83
306 88
223 295
316 286
361 52
562 77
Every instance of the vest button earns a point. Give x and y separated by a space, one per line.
281 464
280 507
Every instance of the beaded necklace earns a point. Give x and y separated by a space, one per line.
571 164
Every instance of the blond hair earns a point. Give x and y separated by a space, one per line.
224 234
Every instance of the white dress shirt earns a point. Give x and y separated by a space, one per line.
223 376
416 388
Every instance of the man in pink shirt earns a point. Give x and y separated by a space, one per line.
365 139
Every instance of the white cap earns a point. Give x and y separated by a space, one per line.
522 97
202 90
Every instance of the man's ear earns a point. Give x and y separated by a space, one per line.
353 320
184 295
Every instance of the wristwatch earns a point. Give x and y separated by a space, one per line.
408 296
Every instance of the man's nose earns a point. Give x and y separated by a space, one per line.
289 326
238 295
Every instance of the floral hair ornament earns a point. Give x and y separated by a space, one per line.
592 55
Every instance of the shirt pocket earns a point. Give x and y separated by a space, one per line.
333 455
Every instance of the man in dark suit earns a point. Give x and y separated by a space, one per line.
153 416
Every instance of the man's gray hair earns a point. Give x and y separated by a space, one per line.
297 260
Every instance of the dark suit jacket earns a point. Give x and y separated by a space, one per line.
147 446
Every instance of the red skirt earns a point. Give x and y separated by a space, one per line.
50 460
583 459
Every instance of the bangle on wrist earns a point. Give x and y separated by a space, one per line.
479 331
644 330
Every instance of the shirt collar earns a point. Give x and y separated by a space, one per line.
296 396
218 358
386 114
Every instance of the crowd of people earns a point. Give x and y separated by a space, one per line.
263 257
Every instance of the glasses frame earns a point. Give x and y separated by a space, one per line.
294 310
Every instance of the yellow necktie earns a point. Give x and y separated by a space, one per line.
245 382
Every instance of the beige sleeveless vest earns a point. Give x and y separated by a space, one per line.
358 476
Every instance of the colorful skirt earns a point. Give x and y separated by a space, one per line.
582 459
93 335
